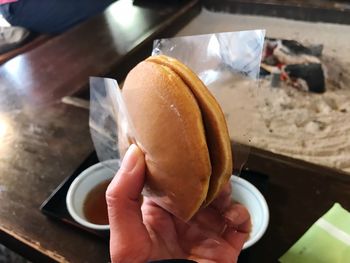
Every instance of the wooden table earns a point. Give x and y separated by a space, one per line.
39 148
297 193
42 141
109 45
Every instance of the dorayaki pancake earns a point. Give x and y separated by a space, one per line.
169 129
217 136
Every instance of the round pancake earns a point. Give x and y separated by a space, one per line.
217 135
169 130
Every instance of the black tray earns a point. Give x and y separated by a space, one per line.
55 205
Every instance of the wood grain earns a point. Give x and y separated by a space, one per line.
42 141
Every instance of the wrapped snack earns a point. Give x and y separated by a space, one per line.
167 110
182 131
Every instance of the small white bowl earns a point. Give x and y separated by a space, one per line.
83 184
242 192
248 195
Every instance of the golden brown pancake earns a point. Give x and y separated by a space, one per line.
169 129
214 121
182 131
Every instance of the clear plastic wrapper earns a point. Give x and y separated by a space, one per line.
221 61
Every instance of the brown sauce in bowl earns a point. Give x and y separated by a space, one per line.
95 205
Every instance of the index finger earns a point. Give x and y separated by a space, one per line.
224 199
239 226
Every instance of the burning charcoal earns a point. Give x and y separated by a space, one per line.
312 73
271 60
275 78
293 53
263 72
316 50
295 47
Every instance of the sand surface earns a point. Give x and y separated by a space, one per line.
284 120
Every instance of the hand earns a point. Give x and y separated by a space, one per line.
140 233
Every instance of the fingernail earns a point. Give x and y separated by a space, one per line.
232 215
130 158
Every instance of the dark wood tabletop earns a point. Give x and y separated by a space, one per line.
297 193
39 148
109 45
42 141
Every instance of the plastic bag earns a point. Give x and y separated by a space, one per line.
220 60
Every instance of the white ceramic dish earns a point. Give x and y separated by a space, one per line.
248 195
83 184
242 192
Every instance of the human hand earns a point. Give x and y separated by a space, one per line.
144 232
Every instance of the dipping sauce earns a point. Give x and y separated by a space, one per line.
95 205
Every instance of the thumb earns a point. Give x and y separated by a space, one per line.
124 209
129 180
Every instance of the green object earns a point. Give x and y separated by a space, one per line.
326 241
